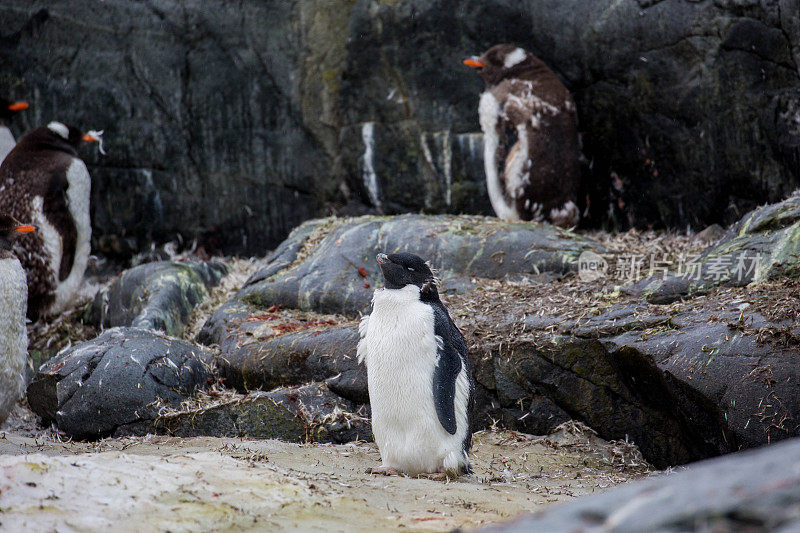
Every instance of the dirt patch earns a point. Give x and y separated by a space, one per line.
240 484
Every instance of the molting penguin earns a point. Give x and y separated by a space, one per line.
7 112
418 373
531 146
44 181
13 334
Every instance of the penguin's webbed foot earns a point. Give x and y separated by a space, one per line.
384 471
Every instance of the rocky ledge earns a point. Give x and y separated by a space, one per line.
712 371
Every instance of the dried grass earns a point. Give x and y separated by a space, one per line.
239 271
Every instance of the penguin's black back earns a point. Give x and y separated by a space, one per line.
452 355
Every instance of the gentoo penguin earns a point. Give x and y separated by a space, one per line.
13 334
418 374
531 150
7 111
44 181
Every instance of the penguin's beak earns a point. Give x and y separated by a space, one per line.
26 228
18 106
474 62
95 136
382 258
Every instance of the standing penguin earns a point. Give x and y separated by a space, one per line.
531 148
418 373
13 334
43 180
7 112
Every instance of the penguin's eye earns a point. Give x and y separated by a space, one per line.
411 269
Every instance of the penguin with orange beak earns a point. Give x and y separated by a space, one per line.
530 138
43 180
7 111
13 299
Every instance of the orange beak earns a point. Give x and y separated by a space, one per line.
89 138
25 229
18 106
474 63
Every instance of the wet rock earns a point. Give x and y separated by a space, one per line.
259 350
710 377
763 245
310 413
329 278
157 296
757 490
92 389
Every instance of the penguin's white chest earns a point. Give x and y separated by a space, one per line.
399 348
78 194
13 335
7 142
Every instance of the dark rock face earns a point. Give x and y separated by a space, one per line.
122 377
156 296
254 118
310 413
683 387
328 280
758 490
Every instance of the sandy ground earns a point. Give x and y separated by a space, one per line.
200 484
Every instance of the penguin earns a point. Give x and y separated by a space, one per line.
13 334
44 180
7 112
418 374
531 144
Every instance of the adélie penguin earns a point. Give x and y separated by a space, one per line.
418 373
7 111
13 334
43 180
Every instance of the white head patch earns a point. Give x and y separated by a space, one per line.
59 129
514 58
99 136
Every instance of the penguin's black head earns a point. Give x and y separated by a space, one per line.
8 109
10 229
503 61
59 136
403 269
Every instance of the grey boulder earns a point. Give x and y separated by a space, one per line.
338 272
121 377
309 413
157 296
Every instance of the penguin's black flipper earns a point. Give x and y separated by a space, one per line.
56 210
450 347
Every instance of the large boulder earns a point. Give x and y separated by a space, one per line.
259 350
122 377
699 379
236 125
158 296
757 490
337 271
309 413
